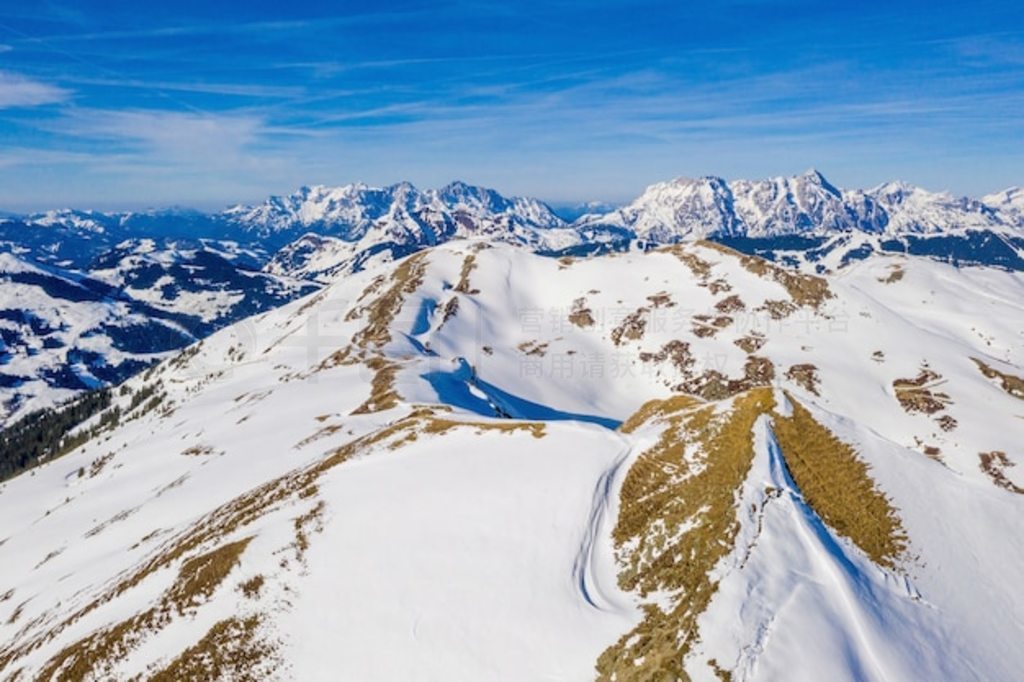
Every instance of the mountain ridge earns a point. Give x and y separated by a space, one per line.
215 268
801 203
682 463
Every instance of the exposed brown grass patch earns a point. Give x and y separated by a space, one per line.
252 587
304 523
803 290
116 518
52 555
372 288
675 352
381 312
947 423
97 466
706 325
700 268
95 654
658 409
383 394
662 299
450 309
468 266
919 394
200 576
435 425
322 432
533 348
731 304
15 615
198 450
895 275
836 484
1013 385
713 385
232 649
777 309
751 343
805 375
993 464
631 328
342 356
677 520
718 286
580 315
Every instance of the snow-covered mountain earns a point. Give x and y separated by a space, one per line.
64 331
1009 204
797 219
481 463
805 221
204 266
803 205
400 213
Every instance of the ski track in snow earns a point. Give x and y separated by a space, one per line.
597 531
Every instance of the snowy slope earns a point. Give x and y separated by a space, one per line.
451 468
64 332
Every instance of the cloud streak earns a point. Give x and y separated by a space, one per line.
19 91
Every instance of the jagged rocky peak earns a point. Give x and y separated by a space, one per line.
679 208
805 204
353 208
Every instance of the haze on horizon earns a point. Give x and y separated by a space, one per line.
209 104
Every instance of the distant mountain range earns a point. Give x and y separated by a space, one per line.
190 273
351 224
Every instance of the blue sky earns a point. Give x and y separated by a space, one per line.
126 105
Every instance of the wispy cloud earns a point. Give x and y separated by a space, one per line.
20 91
230 89
237 28
166 136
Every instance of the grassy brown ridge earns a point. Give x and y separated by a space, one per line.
678 514
383 394
803 290
836 484
381 312
94 654
468 266
677 520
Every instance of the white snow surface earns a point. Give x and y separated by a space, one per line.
485 554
